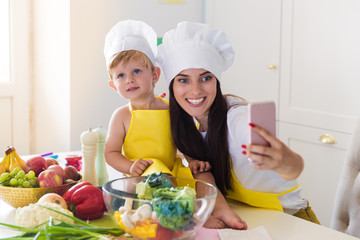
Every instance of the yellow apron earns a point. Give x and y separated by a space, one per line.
257 199
149 138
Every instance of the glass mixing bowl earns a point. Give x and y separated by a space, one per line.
158 219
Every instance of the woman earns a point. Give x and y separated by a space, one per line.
208 126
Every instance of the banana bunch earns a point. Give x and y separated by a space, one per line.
10 161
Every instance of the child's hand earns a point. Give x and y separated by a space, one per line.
199 166
139 166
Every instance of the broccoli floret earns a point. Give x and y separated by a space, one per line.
146 187
157 180
174 207
173 214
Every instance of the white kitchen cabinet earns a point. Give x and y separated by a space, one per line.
314 46
319 73
323 164
319 84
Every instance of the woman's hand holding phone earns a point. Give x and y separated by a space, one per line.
271 153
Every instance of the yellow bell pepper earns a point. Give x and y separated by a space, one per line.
143 230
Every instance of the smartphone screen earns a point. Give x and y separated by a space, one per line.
262 114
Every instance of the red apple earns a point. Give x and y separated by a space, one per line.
57 168
71 173
51 161
50 178
37 164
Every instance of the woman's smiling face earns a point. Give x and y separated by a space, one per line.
195 91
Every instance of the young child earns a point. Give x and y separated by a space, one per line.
139 141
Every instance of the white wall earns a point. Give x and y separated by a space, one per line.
71 78
51 90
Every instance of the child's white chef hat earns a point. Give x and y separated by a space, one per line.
130 35
194 45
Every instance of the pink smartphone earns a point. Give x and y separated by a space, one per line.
262 114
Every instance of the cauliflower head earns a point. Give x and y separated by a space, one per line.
32 215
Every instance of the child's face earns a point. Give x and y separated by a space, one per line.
133 80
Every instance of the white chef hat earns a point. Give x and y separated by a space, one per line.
130 35
194 45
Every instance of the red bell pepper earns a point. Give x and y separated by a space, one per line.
85 201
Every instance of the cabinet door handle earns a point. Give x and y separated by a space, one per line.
271 66
327 138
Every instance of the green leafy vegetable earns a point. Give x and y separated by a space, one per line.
63 230
174 207
146 188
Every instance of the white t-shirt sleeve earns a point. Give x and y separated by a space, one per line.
237 120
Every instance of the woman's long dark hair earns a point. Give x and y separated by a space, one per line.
215 147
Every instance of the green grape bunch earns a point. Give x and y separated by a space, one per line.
18 178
